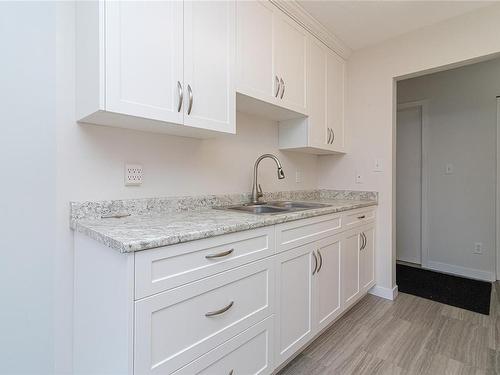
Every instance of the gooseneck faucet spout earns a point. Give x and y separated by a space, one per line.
256 189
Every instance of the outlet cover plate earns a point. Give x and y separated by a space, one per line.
133 174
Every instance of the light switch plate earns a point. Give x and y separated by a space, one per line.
133 174
448 168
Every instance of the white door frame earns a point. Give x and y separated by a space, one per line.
497 201
424 110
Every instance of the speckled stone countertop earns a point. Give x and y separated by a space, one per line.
156 229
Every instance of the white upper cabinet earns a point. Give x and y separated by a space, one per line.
317 93
335 101
290 42
144 59
254 49
163 66
322 132
271 61
209 50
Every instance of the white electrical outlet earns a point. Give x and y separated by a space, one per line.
478 248
133 174
298 178
359 177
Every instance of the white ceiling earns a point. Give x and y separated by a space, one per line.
362 23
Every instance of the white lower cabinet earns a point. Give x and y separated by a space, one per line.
240 303
294 300
367 259
249 353
177 326
350 266
328 283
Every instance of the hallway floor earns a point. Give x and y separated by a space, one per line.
410 335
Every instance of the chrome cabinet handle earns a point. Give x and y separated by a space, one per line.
361 217
190 91
277 86
320 261
221 311
315 262
219 255
181 96
329 136
333 136
282 88
362 241
366 240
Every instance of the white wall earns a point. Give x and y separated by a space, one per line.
27 154
370 109
461 131
91 162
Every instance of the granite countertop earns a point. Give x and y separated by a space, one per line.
147 231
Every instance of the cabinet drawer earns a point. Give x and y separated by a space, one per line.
300 232
249 353
175 327
354 218
171 266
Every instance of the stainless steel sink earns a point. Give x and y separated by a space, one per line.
258 209
276 207
297 205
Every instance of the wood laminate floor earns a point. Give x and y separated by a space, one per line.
410 335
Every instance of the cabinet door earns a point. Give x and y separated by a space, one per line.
367 259
317 93
294 300
335 95
143 50
209 54
290 43
254 49
350 267
327 284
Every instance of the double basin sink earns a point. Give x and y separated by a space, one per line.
276 207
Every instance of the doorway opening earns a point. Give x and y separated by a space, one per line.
448 173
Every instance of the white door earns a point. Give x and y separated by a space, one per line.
317 93
409 185
144 51
290 48
350 267
254 49
294 300
335 104
327 281
209 54
367 259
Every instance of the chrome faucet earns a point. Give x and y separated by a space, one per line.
256 189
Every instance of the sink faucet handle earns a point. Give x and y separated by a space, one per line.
259 192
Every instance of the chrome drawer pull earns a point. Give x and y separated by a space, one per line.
181 96
221 311
320 261
361 217
190 91
277 86
282 88
219 255
315 262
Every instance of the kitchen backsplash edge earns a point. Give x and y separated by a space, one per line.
162 205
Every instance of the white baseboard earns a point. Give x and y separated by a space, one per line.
387 293
461 271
